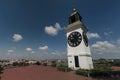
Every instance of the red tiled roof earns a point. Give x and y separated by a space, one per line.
115 68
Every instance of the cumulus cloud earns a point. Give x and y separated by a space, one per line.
59 54
10 51
17 37
108 33
52 30
118 41
93 35
56 53
33 52
57 26
104 47
101 44
28 49
44 48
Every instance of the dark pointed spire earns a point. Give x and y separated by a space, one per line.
75 16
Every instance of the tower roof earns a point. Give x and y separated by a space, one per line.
75 16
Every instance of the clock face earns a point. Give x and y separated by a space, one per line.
74 39
85 38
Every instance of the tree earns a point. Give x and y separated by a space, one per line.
1 69
53 64
38 63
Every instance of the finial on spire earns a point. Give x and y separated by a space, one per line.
74 10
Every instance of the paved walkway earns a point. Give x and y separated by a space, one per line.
39 73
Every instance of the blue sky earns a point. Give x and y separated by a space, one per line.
35 28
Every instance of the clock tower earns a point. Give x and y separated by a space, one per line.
78 51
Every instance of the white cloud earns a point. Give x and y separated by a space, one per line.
118 41
44 48
33 52
93 35
17 37
52 30
56 53
28 49
108 33
10 51
53 53
103 44
104 47
57 26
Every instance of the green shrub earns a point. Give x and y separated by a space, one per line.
44 64
82 72
53 64
38 63
1 69
97 73
63 68
114 73
102 67
20 64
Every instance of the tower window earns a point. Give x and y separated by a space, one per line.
74 18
